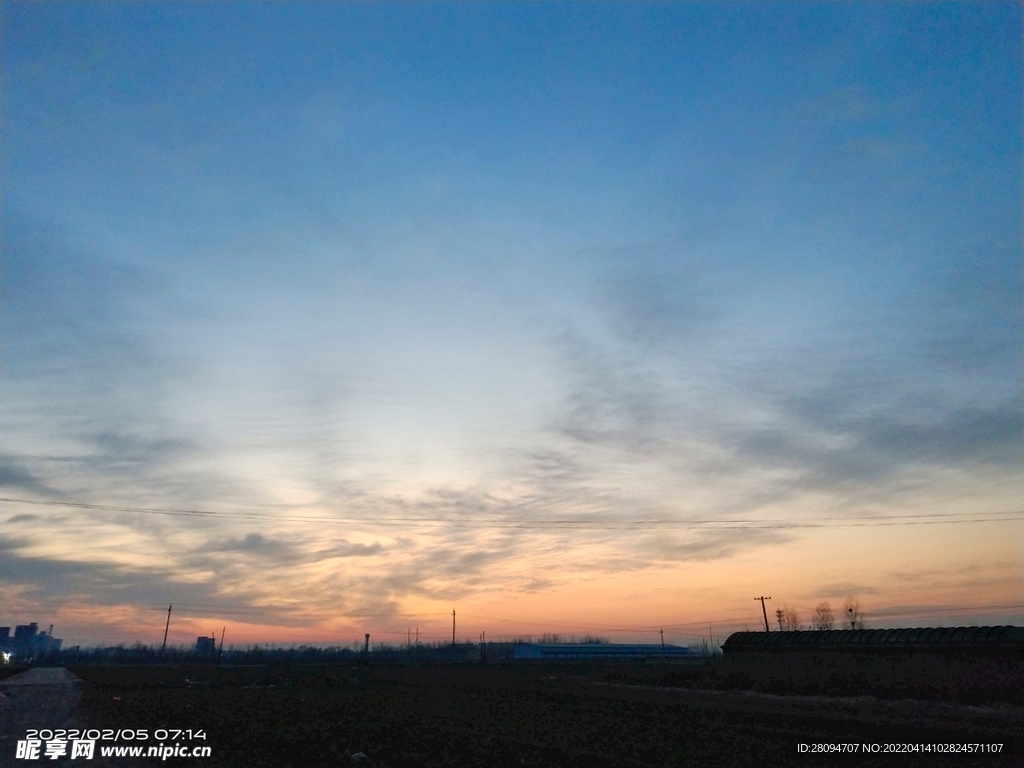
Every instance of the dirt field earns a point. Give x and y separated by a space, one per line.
516 715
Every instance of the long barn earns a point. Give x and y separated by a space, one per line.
981 661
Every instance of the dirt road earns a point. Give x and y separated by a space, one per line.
45 697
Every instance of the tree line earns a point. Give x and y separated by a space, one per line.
822 619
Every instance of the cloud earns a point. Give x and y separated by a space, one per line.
827 444
23 518
71 316
87 371
840 590
252 543
66 581
19 478
443 571
610 401
712 545
120 447
961 437
547 468
973 311
346 549
55 583
677 300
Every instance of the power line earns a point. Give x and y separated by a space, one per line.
847 521
932 610
909 613
613 627
938 611
227 609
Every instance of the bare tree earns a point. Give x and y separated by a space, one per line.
790 620
854 618
779 616
822 617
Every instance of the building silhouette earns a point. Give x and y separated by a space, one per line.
28 643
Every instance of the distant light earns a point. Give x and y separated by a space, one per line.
6 657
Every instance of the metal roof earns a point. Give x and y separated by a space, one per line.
947 638
593 650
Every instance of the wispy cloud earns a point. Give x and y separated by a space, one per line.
19 478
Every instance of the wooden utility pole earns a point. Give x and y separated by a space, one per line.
662 633
166 627
453 628
221 651
764 611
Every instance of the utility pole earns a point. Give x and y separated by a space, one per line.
408 636
453 628
166 627
662 633
417 635
221 651
764 611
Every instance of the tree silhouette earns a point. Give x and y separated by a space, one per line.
822 617
854 618
790 619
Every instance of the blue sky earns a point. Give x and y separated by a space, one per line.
477 265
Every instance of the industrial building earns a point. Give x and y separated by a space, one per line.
206 646
597 651
28 643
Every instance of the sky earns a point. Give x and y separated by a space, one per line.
325 319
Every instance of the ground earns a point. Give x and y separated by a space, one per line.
516 715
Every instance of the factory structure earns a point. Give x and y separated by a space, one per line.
27 643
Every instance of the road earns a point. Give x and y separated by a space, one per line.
45 697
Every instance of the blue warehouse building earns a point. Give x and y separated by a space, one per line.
597 651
